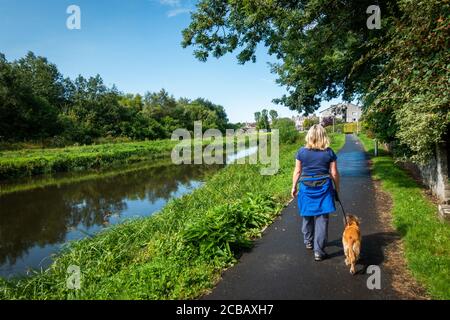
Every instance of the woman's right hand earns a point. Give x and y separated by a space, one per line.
294 192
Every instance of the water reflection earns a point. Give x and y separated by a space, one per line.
241 154
35 223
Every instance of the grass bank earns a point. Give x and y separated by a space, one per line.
426 239
30 162
178 253
31 183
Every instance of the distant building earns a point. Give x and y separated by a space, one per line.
298 120
348 112
249 126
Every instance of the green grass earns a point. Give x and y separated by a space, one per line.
178 253
31 183
426 239
30 162
337 141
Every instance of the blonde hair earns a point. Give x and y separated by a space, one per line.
317 138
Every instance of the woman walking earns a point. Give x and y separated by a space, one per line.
316 170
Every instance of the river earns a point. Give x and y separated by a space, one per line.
35 223
45 213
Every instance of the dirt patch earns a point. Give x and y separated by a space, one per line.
402 280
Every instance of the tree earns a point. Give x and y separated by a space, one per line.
288 132
42 77
236 126
327 121
408 103
36 102
26 110
273 115
98 110
400 72
309 122
221 118
131 101
257 117
160 99
321 43
263 123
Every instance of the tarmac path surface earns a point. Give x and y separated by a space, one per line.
279 266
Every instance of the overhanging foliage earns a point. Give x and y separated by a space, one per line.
325 50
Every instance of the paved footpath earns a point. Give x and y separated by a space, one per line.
279 267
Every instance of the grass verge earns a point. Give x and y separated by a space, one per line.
31 183
178 253
31 162
426 239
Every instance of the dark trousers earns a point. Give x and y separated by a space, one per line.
315 231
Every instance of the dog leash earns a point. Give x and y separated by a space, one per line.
343 210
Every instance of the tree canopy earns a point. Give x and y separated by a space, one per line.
325 51
262 119
38 103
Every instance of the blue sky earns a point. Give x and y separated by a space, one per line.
135 44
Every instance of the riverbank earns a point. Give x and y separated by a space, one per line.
67 178
37 223
178 253
426 239
31 162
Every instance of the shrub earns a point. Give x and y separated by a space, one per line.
288 132
338 128
228 228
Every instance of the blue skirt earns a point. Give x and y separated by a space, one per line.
316 200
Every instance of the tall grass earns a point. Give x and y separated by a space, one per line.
31 183
29 162
178 253
426 239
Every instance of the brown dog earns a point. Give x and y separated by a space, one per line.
351 240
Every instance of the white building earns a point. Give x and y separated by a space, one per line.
298 122
348 112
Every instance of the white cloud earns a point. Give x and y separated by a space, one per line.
177 7
178 11
170 3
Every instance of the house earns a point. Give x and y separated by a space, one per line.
249 127
298 120
348 112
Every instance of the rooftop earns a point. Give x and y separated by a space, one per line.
334 105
